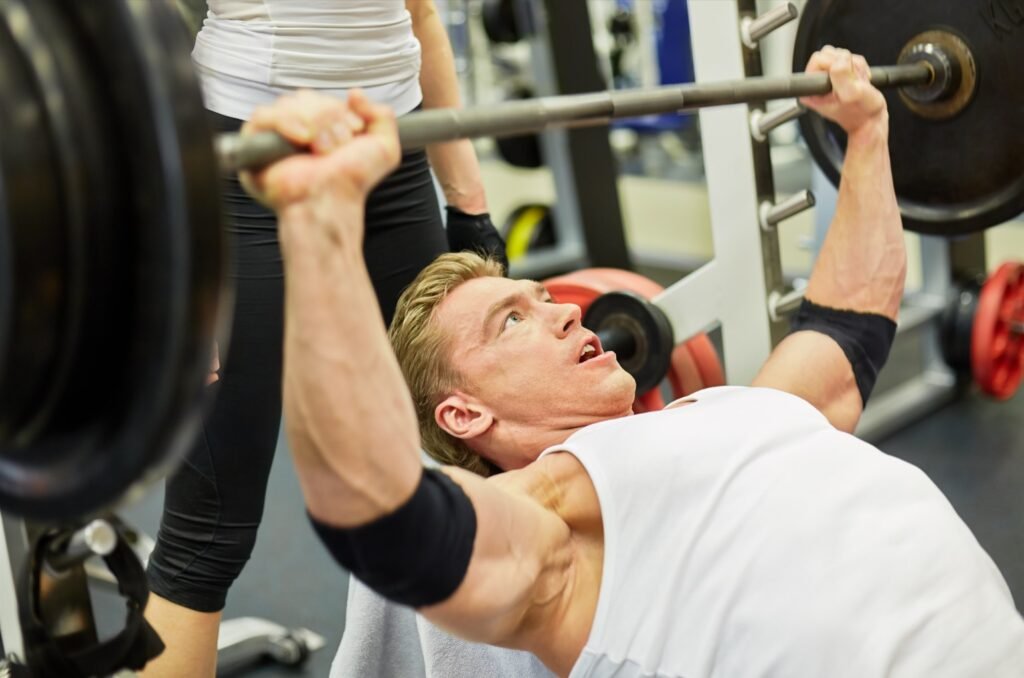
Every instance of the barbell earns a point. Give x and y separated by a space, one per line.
512 118
113 258
955 95
958 167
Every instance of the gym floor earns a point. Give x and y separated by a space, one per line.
973 449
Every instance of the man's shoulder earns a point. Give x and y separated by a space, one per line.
540 478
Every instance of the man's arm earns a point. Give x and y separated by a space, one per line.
350 421
862 263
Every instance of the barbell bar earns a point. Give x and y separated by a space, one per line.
238 152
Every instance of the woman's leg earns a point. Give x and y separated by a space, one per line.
214 501
190 640
404 230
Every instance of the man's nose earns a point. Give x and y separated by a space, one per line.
568 316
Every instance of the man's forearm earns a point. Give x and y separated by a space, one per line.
350 421
862 263
455 162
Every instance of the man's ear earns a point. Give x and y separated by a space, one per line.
462 417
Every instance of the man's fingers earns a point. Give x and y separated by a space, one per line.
287 117
847 84
374 116
355 123
853 99
286 123
355 140
380 122
860 65
335 128
307 119
821 61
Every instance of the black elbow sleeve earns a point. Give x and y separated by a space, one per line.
864 337
417 555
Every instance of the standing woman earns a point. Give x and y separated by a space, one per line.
248 53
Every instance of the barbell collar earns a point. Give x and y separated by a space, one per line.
946 68
420 129
752 30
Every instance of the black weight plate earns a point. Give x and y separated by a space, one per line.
958 324
522 150
35 289
646 324
72 247
954 176
133 402
500 21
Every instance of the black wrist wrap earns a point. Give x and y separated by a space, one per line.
864 337
416 556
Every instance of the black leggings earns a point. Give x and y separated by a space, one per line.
214 501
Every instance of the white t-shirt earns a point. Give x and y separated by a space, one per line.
249 52
744 536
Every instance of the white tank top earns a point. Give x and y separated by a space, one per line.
744 536
249 52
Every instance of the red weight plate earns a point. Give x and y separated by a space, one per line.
649 402
580 288
708 362
997 334
618 279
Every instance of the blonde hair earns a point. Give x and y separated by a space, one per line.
425 356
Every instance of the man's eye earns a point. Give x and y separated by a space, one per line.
513 318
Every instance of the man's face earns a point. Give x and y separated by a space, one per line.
528 361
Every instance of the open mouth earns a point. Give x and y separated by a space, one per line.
590 350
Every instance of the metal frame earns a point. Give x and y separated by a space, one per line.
710 296
61 600
13 554
246 640
241 640
733 290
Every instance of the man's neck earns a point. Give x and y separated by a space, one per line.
515 446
